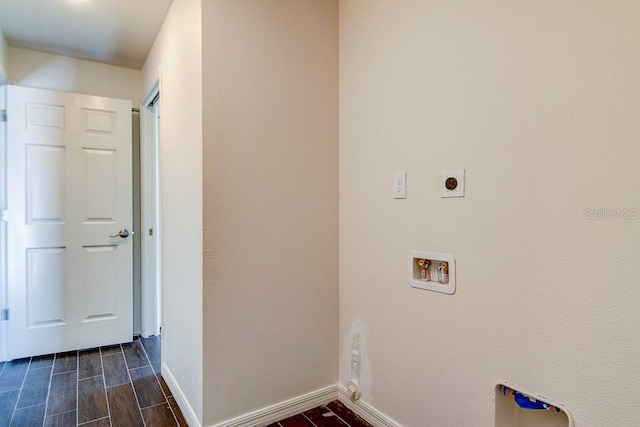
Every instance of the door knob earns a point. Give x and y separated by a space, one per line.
124 233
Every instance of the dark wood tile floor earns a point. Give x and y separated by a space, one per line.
333 414
110 386
114 386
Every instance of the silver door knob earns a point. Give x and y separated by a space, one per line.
124 233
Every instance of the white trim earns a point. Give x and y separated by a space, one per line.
3 225
297 405
150 294
187 411
365 410
282 410
151 95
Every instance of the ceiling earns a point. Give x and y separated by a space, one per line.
117 32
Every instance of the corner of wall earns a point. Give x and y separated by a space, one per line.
4 58
177 54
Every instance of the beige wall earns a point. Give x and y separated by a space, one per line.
539 102
270 202
46 71
176 55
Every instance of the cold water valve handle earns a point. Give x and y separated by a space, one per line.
424 268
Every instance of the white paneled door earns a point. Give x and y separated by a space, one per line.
69 194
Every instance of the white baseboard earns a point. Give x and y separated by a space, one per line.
366 411
181 400
282 410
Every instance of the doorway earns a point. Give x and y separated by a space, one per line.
147 228
68 199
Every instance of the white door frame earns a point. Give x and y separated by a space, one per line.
3 223
151 295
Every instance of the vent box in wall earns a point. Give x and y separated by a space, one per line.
432 271
509 413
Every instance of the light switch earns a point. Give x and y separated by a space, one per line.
400 185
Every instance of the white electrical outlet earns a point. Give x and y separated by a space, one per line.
452 183
400 185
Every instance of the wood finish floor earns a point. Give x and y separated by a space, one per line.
114 386
334 414
110 386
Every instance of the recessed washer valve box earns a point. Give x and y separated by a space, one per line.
432 271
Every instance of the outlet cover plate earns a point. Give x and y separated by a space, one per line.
458 176
400 185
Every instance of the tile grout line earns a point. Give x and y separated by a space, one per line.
104 385
54 415
132 386
166 398
90 378
65 412
157 404
309 419
15 407
46 402
338 416
31 406
77 386
97 419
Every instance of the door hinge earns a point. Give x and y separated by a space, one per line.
3 115
151 232
4 215
5 314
